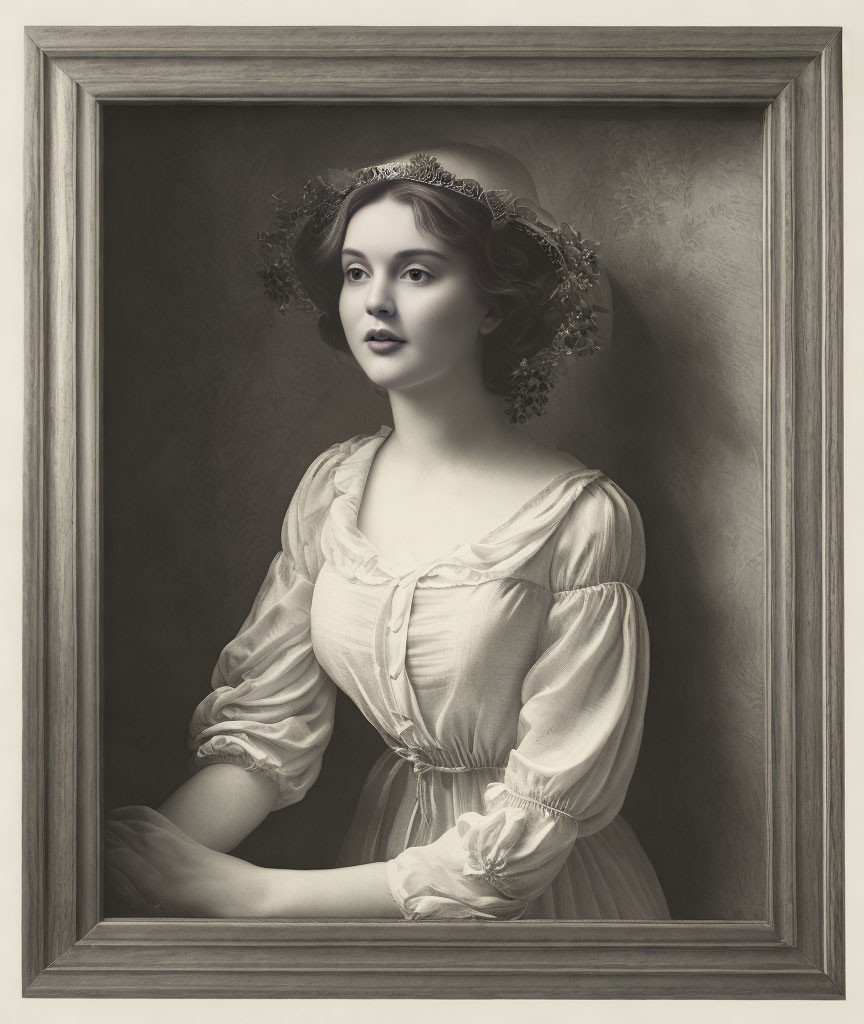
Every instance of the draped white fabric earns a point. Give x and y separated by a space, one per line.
508 677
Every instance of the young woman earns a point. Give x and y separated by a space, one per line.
471 590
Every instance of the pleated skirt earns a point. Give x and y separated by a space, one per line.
608 876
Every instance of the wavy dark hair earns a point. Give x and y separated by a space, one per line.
506 265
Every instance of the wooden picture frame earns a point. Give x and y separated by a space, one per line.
797 949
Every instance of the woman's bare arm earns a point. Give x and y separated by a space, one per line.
220 805
152 862
359 891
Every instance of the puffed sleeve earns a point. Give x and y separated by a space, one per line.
578 735
271 705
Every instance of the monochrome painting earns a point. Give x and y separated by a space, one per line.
433 512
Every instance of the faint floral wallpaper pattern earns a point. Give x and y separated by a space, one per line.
215 404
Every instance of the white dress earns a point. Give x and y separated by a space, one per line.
508 678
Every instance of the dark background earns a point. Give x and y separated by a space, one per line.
214 405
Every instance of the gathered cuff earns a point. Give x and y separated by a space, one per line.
488 841
242 758
488 865
498 794
236 754
431 883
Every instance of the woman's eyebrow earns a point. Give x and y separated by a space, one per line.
403 254
410 254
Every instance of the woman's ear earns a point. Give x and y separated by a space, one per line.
491 320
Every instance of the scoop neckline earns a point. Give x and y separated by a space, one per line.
397 572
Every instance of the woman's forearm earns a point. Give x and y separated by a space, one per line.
354 892
185 873
220 805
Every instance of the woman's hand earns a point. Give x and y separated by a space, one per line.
156 868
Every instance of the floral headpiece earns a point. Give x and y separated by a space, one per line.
573 260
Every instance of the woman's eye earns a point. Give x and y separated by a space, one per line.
355 273
417 274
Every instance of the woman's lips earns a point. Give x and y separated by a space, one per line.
384 345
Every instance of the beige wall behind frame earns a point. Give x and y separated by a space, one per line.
215 404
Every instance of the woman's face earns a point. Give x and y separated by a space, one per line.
410 309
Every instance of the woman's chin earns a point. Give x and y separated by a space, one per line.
389 378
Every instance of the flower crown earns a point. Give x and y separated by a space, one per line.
572 258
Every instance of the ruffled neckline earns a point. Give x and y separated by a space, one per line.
500 550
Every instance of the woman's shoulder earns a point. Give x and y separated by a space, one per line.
323 479
320 479
537 462
600 538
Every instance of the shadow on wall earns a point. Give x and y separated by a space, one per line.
697 797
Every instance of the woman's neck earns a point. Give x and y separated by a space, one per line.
447 423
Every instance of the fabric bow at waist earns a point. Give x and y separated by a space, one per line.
423 767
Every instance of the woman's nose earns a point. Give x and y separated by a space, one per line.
379 300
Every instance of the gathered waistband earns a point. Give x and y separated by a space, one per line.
422 769
421 764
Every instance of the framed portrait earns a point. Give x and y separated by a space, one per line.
172 412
